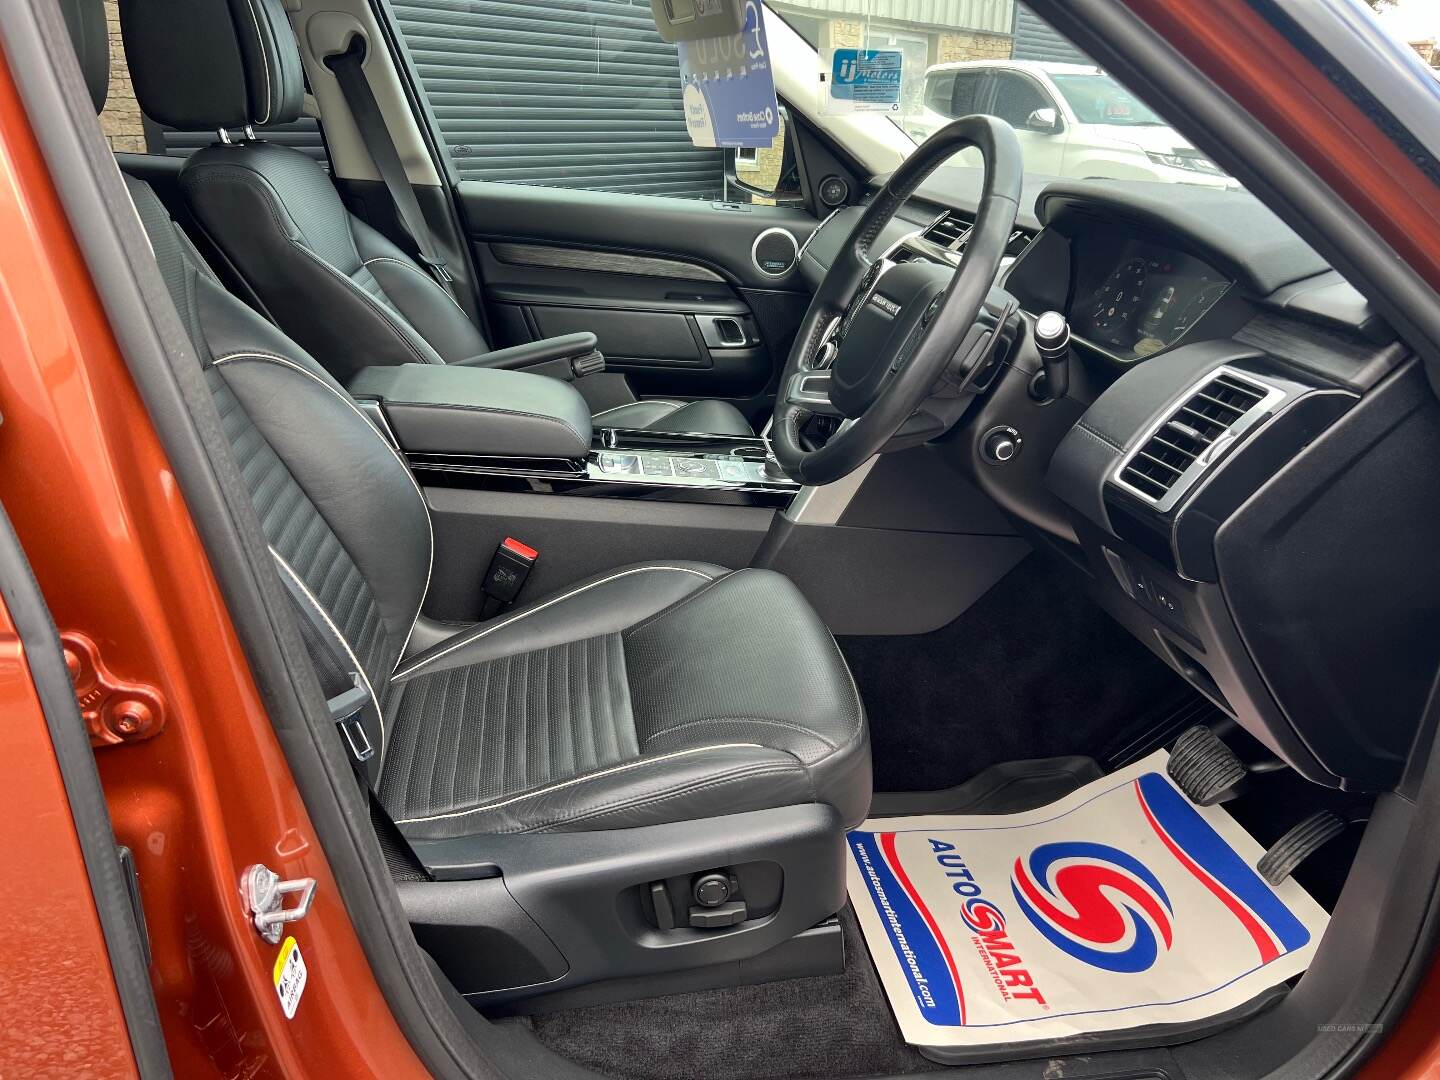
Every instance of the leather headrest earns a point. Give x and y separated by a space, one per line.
213 63
85 20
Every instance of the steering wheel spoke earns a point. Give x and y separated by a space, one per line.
810 391
879 335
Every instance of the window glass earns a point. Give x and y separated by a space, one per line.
939 90
570 94
1099 99
1000 57
967 95
1016 97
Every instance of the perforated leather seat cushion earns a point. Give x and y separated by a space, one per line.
708 692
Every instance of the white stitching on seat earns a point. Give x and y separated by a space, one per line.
359 667
416 270
425 506
264 61
677 406
482 631
390 318
580 780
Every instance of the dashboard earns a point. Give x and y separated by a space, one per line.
1235 408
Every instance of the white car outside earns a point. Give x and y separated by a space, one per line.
1072 120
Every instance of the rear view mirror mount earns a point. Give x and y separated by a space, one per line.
690 20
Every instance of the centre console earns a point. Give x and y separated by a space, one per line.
517 431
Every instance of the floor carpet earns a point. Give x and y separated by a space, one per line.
1033 669
834 1026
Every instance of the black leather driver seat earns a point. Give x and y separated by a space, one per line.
653 693
339 288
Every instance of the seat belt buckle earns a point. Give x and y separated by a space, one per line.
509 568
346 710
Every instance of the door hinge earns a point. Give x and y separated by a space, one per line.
115 711
264 893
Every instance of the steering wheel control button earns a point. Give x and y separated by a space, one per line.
1000 445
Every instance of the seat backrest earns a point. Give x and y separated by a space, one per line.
339 288
321 476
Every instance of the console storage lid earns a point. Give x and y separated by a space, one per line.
481 412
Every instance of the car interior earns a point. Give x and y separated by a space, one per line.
643 547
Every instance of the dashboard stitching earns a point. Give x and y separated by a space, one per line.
1099 435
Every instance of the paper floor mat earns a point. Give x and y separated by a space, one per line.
1121 906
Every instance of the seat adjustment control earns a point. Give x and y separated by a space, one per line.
712 890
717 901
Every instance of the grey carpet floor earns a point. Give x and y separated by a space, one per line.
833 1026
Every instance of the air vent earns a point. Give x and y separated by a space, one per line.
949 230
1211 416
1016 245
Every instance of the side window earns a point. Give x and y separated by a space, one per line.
966 98
1016 97
939 91
129 131
575 94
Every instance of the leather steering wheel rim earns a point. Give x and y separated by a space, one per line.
865 435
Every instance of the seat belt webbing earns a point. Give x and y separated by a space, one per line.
350 74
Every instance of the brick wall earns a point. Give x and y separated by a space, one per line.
121 120
957 45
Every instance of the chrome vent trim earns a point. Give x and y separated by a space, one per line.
1193 433
949 230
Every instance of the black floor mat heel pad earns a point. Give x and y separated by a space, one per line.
1120 915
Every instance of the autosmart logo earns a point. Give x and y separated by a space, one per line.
1096 903
989 934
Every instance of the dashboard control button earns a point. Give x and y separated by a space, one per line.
1000 445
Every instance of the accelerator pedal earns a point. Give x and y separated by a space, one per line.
1204 767
1299 844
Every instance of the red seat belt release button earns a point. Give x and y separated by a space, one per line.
509 568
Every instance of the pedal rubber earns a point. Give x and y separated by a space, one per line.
1299 844
1204 767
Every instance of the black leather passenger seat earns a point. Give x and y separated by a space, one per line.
338 287
652 693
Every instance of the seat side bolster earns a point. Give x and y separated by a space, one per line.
431 311
603 604
704 781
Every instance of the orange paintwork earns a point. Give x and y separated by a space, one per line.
1239 51
98 510
59 1012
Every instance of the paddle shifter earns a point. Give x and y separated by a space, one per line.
1052 342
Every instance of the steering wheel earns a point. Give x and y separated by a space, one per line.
879 335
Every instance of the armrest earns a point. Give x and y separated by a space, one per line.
578 348
452 409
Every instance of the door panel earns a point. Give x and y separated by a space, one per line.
669 286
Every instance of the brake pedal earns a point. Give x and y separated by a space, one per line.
1299 844
1203 767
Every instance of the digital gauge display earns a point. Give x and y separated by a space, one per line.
1134 298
